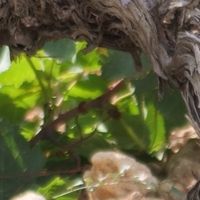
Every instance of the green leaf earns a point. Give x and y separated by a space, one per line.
52 69
18 73
117 65
90 86
10 110
89 61
15 103
51 187
19 165
155 123
173 109
63 49
172 106
61 188
129 132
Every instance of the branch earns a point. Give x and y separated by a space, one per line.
48 130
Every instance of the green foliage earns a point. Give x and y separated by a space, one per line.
171 107
19 165
37 90
117 65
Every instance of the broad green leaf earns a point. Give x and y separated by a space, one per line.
10 110
19 165
51 187
129 132
129 105
22 97
147 85
155 123
80 46
51 69
172 106
89 61
61 188
18 73
173 109
62 50
117 65
90 86
15 102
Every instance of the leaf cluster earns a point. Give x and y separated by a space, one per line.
37 90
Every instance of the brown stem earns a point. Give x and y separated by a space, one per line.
48 130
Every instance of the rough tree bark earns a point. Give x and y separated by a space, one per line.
168 32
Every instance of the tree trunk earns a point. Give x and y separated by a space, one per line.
166 31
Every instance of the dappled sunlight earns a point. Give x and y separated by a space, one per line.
179 137
29 195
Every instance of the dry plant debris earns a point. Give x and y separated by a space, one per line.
116 176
